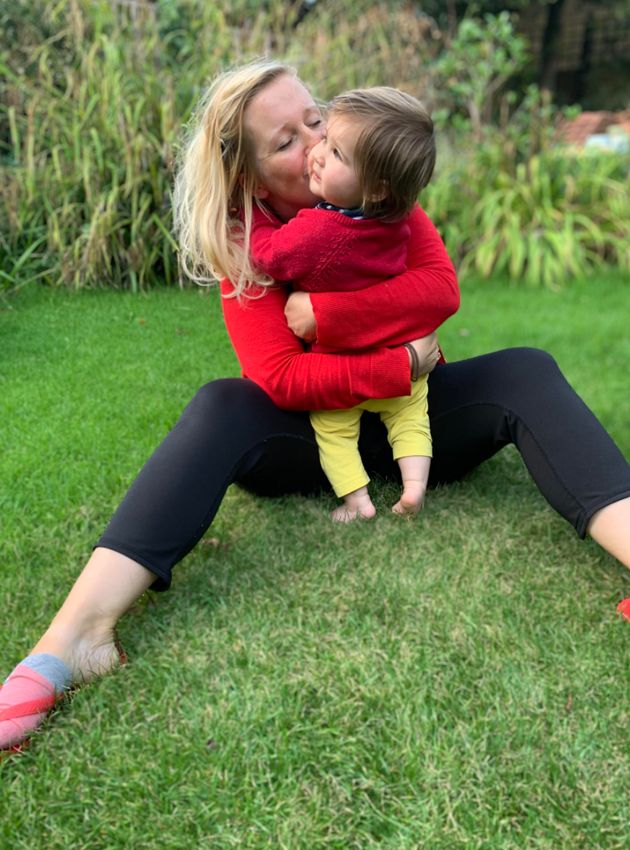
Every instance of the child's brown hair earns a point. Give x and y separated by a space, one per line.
395 153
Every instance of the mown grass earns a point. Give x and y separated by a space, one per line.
458 682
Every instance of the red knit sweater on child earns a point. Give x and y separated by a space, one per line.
324 250
372 323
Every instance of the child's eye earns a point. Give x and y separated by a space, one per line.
336 153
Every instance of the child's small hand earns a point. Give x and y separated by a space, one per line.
300 316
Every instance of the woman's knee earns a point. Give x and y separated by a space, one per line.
524 370
228 398
224 393
240 410
523 361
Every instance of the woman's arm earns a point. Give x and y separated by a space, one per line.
410 305
272 356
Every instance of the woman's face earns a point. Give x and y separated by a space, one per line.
284 123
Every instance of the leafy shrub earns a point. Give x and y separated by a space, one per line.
519 204
93 103
477 63
93 96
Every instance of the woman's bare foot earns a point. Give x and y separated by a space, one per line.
356 505
82 633
89 655
38 682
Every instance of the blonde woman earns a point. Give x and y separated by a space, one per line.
249 144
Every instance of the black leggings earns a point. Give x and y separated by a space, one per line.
231 432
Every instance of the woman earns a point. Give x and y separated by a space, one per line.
253 133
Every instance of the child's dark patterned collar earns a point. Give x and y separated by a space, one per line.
355 212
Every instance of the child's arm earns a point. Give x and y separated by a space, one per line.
408 306
272 356
289 251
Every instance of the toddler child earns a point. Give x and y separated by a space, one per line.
377 153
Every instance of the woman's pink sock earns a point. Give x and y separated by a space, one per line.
624 608
28 695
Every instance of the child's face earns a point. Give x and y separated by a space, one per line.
331 164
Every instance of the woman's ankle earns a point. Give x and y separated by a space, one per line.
89 649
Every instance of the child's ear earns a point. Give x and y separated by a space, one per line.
381 192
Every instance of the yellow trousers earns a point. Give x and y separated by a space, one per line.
337 431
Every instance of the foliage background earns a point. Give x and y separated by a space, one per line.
93 96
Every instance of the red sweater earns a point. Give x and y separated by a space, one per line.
325 251
401 308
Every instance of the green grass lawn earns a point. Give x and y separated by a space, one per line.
456 682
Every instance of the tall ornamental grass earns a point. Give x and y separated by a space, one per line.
542 222
93 96
93 99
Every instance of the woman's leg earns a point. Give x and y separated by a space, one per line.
520 396
610 527
229 432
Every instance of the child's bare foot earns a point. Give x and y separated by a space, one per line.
412 499
356 505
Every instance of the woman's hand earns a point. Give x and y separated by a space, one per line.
428 352
300 316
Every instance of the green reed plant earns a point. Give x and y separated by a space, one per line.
352 43
87 161
93 95
555 216
92 108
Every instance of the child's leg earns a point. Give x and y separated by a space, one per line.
407 423
414 470
337 433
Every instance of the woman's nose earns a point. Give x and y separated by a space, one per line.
313 137
316 150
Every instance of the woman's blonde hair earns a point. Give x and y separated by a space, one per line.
216 180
